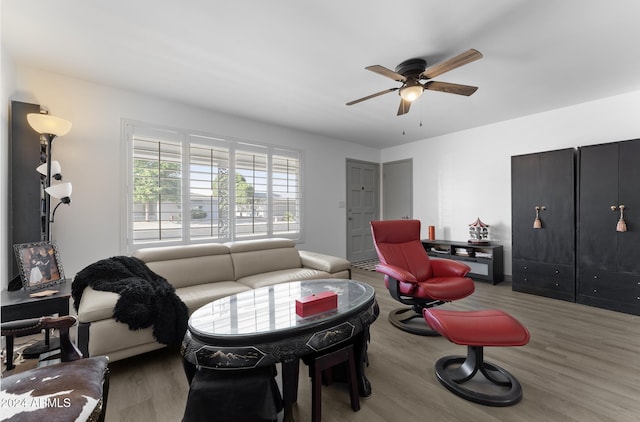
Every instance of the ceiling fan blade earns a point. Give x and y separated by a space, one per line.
404 107
381 70
386 91
450 88
454 62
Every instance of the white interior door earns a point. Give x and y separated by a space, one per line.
397 190
363 193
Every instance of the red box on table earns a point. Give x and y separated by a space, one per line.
316 303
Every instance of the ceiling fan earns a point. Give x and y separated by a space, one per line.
413 71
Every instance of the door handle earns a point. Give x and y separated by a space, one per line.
622 225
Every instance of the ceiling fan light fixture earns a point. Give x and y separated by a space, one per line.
411 92
411 72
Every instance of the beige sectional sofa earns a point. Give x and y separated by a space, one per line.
200 274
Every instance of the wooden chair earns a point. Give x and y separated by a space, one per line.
75 389
322 363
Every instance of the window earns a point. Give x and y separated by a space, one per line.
251 195
285 192
186 188
157 192
208 189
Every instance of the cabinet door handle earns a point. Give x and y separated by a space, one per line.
537 223
622 225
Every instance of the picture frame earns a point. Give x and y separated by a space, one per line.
39 264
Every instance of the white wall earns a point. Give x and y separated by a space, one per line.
457 177
91 154
465 175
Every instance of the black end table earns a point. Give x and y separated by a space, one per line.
258 328
20 305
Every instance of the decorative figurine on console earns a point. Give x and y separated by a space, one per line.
479 233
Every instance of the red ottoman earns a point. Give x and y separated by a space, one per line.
476 329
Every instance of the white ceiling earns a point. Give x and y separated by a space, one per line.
296 63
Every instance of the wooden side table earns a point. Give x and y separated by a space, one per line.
19 305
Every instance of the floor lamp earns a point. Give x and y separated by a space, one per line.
49 127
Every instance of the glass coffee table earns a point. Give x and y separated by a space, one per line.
260 327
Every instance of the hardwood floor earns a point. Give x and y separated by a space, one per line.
582 364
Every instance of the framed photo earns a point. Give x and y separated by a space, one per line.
39 265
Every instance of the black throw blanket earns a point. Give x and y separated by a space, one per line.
145 297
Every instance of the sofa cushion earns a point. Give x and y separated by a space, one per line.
199 295
259 244
262 256
188 265
282 276
96 305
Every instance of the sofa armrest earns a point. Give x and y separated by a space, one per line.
322 262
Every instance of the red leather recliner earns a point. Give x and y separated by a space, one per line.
412 277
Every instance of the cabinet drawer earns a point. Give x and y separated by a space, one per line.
618 287
534 269
537 281
557 281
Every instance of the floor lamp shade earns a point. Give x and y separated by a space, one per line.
56 169
45 123
62 190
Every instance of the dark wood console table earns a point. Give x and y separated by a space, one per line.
486 261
